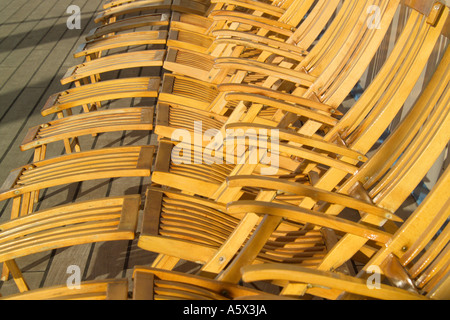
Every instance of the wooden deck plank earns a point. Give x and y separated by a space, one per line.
20 40
11 11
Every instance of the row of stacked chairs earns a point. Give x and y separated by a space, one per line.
278 69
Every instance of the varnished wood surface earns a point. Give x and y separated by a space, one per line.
32 66
106 260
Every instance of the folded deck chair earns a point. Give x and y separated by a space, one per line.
194 55
109 219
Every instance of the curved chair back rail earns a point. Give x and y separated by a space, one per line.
65 129
23 183
149 58
110 289
153 19
94 47
132 7
144 87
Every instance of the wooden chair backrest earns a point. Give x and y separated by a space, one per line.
427 125
23 183
419 147
331 179
387 93
421 246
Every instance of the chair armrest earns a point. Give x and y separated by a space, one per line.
310 192
323 279
299 110
255 21
253 40
266 69
275 94
293 137
254 5
239 209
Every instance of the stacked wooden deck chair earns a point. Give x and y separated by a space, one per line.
170 227
179 102
149 284
112 219
415 258
89 91
309 214
326 181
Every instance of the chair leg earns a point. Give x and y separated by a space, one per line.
15 211
39 155
165 262
17 275
5 273
21 205
27 204
72 145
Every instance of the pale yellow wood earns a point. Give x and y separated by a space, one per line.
108 219
133 119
